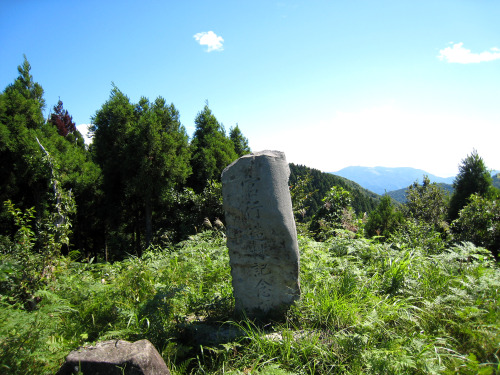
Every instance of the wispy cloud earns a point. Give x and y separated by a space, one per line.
461 55
211 40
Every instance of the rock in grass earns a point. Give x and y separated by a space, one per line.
115 357
261 235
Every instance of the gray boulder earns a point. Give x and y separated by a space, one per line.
115 357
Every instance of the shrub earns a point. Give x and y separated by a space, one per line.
479 222
384 220
335 214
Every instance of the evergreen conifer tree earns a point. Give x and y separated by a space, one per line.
240 143
143 151
65 125
23 179
212 151
473 178
384 219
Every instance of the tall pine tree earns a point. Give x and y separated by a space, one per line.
240 143
473 178
65 125
143 151
23 177
161 152
211 150
62 120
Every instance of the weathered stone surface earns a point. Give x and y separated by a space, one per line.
261 234
116 357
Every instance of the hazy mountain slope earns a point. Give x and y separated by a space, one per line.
383 179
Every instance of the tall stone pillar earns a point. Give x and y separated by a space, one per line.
261 234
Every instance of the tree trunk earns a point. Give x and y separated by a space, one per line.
106 250
149 222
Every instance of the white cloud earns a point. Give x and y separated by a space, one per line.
210 39
84 129
461 55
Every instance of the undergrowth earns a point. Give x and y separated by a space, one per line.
365 308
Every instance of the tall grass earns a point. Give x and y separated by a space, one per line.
366 308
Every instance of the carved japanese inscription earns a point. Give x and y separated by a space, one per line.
261 234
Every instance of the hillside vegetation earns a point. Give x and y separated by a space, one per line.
366 307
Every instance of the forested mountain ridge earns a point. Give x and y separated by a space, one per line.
320 183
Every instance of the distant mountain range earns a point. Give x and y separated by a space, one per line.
383 179
395 181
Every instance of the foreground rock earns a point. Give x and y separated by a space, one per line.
116 357
261 234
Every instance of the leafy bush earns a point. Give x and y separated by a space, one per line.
189 213
479 222
426 203
301 197
384 220
419 234
335 214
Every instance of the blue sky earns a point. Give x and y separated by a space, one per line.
331 83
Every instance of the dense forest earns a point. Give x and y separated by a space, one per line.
125 239
142 181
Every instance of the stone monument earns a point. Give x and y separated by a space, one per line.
261 235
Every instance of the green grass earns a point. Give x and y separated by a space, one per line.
366 308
